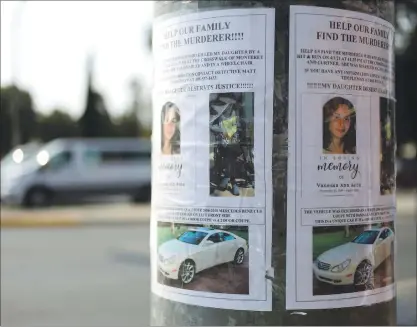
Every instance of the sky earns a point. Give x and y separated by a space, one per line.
53 40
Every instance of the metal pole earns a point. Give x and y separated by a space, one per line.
15 39
166 312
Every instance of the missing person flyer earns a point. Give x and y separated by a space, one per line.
341 175
212 179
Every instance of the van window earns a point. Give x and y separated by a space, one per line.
103 157
59 160
124 156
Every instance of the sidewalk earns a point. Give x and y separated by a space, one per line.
407 202
103 214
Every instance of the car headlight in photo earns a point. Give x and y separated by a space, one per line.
342 266
169 260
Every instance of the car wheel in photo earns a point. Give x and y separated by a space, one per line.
187 271
239 256
364 276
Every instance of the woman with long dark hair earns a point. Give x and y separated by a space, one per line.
339 127
170 129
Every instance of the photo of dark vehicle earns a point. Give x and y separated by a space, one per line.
232 144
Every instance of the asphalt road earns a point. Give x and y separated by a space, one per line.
75 277
99 276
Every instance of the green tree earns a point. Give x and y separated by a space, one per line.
127 125
57 124
17 102
95 121
133 122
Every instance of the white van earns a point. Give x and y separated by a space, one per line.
19 154
77 167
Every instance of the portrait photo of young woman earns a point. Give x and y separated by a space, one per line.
170 129
339 127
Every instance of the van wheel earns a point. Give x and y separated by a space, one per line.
38 197
142 195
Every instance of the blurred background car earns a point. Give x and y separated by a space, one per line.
19 154
77 168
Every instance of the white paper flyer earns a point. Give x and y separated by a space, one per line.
341 175
211 176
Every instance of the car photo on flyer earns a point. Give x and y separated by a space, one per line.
354 258
232 144
204 258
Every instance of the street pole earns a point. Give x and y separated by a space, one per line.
15 39
166 312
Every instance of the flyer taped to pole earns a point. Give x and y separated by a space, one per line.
212 158
341 175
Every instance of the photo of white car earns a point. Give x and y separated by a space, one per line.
198 249
354 263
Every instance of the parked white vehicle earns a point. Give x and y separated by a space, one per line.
354 263
81 167
198 249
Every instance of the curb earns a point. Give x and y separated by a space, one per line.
75 218
17 223
406 203
39 222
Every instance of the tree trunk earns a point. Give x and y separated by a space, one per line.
168 313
